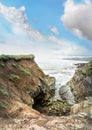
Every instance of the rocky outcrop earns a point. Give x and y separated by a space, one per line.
84 106
81 83
23 83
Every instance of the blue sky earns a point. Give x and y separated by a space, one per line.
46 27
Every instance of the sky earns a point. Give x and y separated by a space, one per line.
46 28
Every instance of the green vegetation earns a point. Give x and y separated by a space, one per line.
14 77
24 70
89 70
86 71
14 64
2 65
3 92
2 106
83 73
39 69
16 57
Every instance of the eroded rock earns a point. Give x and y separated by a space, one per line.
22 81
81 83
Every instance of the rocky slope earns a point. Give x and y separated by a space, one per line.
79 121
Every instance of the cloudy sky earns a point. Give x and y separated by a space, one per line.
46 27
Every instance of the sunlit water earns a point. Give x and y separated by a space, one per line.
62 70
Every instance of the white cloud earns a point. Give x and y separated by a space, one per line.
66 48
43 46
19 22
55 40
78 18
87 1
54 30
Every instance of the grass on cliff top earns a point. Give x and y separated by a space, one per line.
16 57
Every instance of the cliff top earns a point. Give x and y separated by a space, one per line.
16 57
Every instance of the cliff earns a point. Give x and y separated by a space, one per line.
81 87
81 83
23 83
26 92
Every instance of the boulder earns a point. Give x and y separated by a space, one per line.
66 94
83 107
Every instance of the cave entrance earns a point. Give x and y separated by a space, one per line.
40 103
44 104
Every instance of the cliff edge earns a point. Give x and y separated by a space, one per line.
81 83
24 84
21 83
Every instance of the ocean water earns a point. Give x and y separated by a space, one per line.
61 69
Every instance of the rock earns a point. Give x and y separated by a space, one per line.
54 108
66 94
84 107
22 82
23 85
35 122
81 83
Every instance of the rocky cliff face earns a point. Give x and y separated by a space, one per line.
81 87
81 83
22 83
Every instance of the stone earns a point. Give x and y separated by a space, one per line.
22 82
66 94
81 82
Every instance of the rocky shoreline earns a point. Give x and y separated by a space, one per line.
26 97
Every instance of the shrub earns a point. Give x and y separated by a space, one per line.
2 65
3 92
24 70
14 77
2 106
14 64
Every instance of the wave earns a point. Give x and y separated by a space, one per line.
61 69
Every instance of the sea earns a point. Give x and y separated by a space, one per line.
62 69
